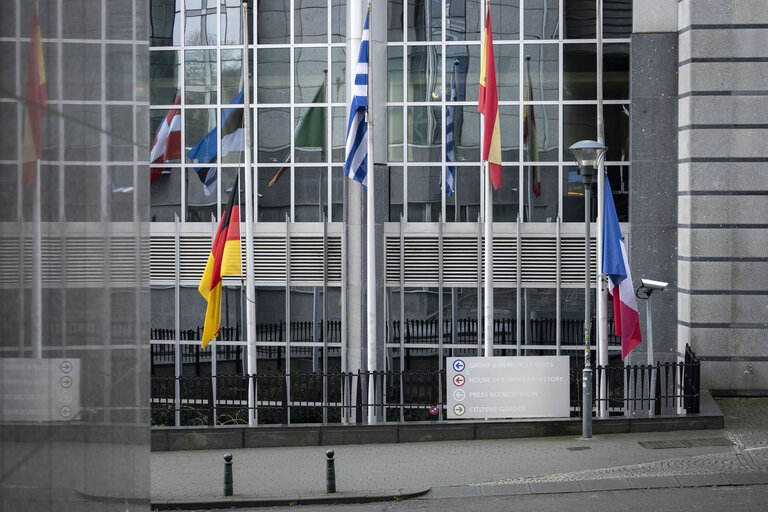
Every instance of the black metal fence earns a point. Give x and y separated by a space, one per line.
664 388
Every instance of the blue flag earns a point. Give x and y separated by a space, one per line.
356 165
232 139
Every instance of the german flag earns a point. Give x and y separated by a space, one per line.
223 260
37 101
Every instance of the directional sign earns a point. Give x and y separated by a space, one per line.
459 380
65 366
458 365
459 395
459 409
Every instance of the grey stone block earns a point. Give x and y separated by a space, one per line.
747 478
461 491
653 482
291 436
205 439
702 480
554 487
610 484
653 71
360 434
413 433
504 489
655 16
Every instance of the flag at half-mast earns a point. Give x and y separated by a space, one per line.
450 153
36 102
166 146
529 134
616 266
225 259
356 164
488 105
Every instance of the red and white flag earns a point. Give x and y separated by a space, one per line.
167 144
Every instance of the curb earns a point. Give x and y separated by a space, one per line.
318 499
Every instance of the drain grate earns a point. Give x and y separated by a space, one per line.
685 443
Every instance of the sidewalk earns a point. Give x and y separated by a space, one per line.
737 455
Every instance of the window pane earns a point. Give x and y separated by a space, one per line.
579 71
198 122
165 22
274 202
231 21
163 77
337 194
542 192
616 132
424 20
510 128
580 19
394 73
394 20
462 19
165 196
338 75
395 134
616 71
505 20
231 74
506 200
466 133
579 123
618 176
508 71
395 192
424 73
424 194
466 195
310 21
273 76
573 197
200 77
273 22
200 26
274 139
311 194
539 326
309 134
547 126
339 134
504 320
201 201
541 19
311 73
542 67
424 137
338 21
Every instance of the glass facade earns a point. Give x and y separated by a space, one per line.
427 86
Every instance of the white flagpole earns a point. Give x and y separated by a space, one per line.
488 233
602 302
370 239
250 288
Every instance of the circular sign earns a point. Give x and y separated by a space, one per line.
459 409
66 381
459 365
66 411
433 410
459 380
459 395
65 367
66 396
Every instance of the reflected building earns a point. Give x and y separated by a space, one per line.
74 239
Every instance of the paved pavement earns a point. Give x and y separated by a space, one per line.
737 455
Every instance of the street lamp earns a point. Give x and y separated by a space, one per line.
587 154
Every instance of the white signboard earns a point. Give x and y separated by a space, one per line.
39 389
508 387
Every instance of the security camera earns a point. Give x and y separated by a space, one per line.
654 285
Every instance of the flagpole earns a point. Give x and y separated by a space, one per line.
250 288
488 233
601 291
370 241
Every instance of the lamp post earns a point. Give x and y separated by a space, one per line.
587 154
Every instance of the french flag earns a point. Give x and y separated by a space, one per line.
616 266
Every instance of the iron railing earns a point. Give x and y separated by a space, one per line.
338 397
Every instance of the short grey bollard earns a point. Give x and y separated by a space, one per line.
330 473
228 485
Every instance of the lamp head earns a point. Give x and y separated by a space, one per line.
587 154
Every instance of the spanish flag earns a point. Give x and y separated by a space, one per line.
37 100
488 105
223 260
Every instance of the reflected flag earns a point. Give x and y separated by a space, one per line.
450 157
529 134
167 143
232 139
36 102
616 266
356 165
224 259
488 105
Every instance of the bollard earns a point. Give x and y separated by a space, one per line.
228 485
330 473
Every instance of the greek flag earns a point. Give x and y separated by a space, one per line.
450 170
356 166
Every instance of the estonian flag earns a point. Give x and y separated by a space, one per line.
232 139
224 260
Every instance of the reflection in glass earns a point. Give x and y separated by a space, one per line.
231 74
547 127
231 21
541 19
510 128
420 325
338 74
311 74
201 203
395 193
395 134
543 68
197 122
200 77
507 71
579 72
394 20
120 132
539 311
573 197
467 70
309 134
505 20
424 134
273 135
310 21
424 20
337 194
165 196
462 20
616 132
506 199
273 75
338 134
165 22
338 21
460 332
580 20
80 83
464 204
274 22
274 202
424 73
541 193
572 315
579 123
616 71
200 23
310 194
119 67
163 77
466 133
394 73
424 194
618 176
